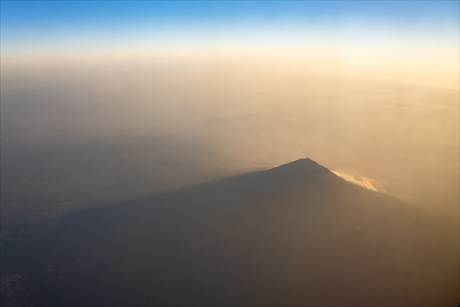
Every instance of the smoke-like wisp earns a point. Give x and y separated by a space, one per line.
358 180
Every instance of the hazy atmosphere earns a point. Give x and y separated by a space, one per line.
116 128
108 102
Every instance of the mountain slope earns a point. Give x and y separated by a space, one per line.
294 235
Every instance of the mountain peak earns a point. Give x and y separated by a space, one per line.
300 166
307 168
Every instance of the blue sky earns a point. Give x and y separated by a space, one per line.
35 25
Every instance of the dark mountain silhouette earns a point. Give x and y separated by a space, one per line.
294 235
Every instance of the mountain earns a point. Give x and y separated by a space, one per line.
294 235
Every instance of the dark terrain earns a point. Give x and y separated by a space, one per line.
294 235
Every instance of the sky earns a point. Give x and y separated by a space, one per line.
106 26
156 95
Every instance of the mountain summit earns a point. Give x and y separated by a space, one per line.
302 166
294 235
305 164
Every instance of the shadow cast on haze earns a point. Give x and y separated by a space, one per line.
294 235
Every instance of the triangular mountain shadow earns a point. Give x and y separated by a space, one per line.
294 235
